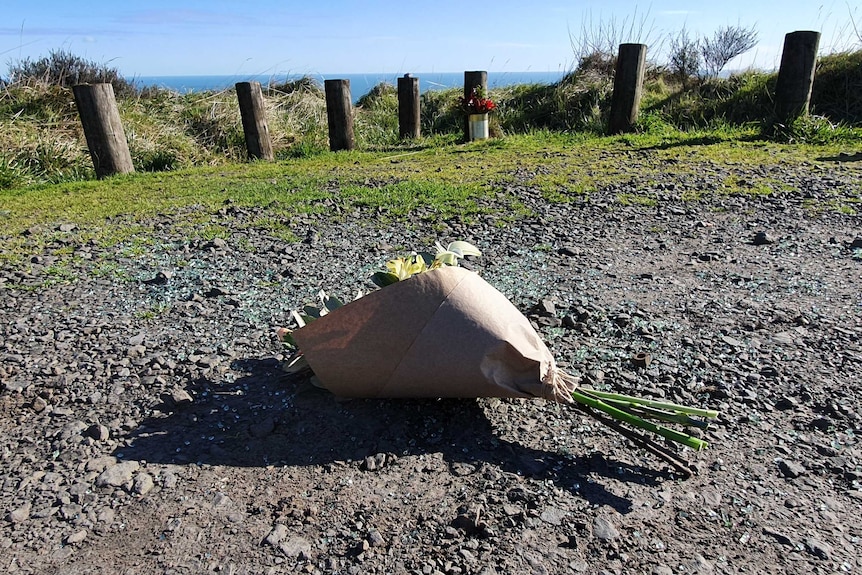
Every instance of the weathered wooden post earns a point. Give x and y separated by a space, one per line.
103 129
339 114
253 112
408 107
628 84
475 79
796 75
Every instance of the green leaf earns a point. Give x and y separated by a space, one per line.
383 279
332 303
311 311
288 341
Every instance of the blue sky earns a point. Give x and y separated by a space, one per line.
265 37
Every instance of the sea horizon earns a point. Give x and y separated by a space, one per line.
360 84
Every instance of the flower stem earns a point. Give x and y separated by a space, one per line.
619 414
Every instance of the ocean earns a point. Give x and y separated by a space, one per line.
360 84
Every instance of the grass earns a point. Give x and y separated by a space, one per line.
433 183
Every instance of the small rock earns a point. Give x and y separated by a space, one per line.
296 546
216 244
20 514
818 548
277 534
546 308
642 360
179 397
161 278
700 565
762 239
105 517
214 292
604 530
375 539
856 244
143 483
553 515
778 536
98 432
791 469
785 403
117 475
39 405
76 537
821 423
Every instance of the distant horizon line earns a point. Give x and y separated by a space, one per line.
400 74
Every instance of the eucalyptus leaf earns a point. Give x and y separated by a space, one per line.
383 279
332 303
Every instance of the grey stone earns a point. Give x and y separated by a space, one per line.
20 514
604 530
76 537
818 548
117 475
791 469
553 515
143 483
277 534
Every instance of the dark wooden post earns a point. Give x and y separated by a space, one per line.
628 84
253 112
103 129
796 75
339 114
476 79
408 107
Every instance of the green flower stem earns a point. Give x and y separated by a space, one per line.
661 415
709 413
626 417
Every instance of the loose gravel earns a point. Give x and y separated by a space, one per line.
147 426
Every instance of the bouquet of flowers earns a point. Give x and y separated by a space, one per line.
478 102
438 330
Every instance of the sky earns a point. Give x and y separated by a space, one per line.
274 37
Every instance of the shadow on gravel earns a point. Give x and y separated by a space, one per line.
699 141
842 157
267 419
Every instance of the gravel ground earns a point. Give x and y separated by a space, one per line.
146 426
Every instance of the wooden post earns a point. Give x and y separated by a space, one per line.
339 114
103 129
253 112
408 107
796 75
476 79
628 85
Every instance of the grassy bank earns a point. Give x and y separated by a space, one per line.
437 181
41 141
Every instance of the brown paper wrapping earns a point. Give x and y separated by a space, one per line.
442 333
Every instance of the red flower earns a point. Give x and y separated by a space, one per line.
477 103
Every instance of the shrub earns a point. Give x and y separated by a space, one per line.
61 68
726 43
837 90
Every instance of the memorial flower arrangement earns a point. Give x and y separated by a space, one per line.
435 329
478 102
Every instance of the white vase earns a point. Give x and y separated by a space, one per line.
478 126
